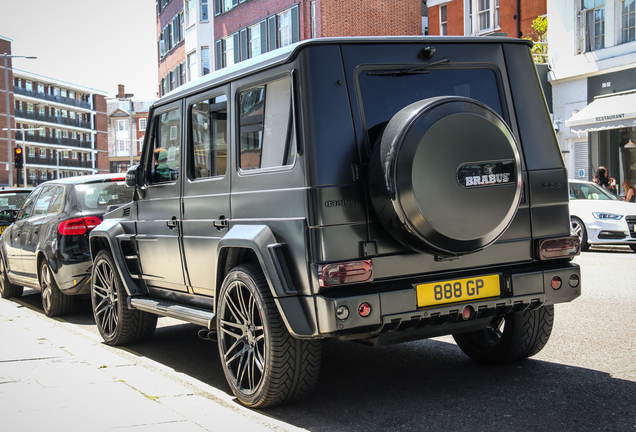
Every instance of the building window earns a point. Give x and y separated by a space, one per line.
255 40
189 12
40 88
228 51
205 60
42 153
443 22
29 85
593 25
487 17
313 19
121 146
284 28
142 124
204 10
192 66
628 21
31 152
122 125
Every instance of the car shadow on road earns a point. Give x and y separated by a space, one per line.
422 385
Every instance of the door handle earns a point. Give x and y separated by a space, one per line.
221 223
172 223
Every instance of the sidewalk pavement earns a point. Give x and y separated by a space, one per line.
56 376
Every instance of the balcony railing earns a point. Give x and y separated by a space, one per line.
52 119
51 98
64 163
52 140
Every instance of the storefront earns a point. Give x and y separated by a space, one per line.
609 120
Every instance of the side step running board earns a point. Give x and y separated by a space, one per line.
194 315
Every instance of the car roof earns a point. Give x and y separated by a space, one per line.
289 53
95 178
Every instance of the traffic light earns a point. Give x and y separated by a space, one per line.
17 160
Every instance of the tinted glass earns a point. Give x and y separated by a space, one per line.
266 127
44 200
385 94
209 137
93 196
167 146
12 200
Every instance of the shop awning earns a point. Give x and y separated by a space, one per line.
605 112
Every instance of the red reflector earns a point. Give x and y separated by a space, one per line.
468 312
555 283
345 273
78 226
116 179
364 309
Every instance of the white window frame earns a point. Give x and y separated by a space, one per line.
122 125
284 28
122 148
584 46
228 51
443 20
254 40
142 124
488 9
630 28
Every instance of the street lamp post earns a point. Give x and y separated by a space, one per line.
6 92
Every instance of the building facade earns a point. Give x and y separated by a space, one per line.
60 126
247 28
592 58
120 134
483 17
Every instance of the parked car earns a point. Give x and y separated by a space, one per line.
373 189
46 247
599 217
11 199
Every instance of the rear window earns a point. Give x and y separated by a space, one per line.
92 196
384 94
12 200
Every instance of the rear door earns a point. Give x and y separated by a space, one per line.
206 194
159 210
30 230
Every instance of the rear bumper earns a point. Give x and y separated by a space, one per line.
395 316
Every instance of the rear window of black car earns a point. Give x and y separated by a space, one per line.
93 196
384 94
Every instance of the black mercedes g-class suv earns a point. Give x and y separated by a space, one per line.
372 189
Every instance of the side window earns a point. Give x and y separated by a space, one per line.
209 137
266 126
167 146
43 201
27 207
58 199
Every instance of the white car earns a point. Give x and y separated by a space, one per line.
599 217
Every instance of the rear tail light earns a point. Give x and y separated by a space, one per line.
78 226
345 273
562 247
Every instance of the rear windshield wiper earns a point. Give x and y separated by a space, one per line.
421 69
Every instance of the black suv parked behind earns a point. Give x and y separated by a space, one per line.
373 189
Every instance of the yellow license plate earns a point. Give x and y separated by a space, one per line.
458 290
2 229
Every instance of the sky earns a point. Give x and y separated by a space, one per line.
93 43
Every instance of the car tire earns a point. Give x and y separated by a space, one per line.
7 289
510 338
54 302
117 324
633 247
263 363
578 228
440 162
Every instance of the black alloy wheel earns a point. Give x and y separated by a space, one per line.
54 302
262 362
117 324
7 289
510 338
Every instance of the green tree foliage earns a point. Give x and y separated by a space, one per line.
540 38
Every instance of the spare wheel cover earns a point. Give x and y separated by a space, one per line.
452 173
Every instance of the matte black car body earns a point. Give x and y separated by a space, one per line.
35 236
398 181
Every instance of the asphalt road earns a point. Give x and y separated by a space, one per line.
584 380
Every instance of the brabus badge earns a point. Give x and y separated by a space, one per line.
479 174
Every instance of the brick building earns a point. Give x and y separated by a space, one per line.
60 126
482 17
246 28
